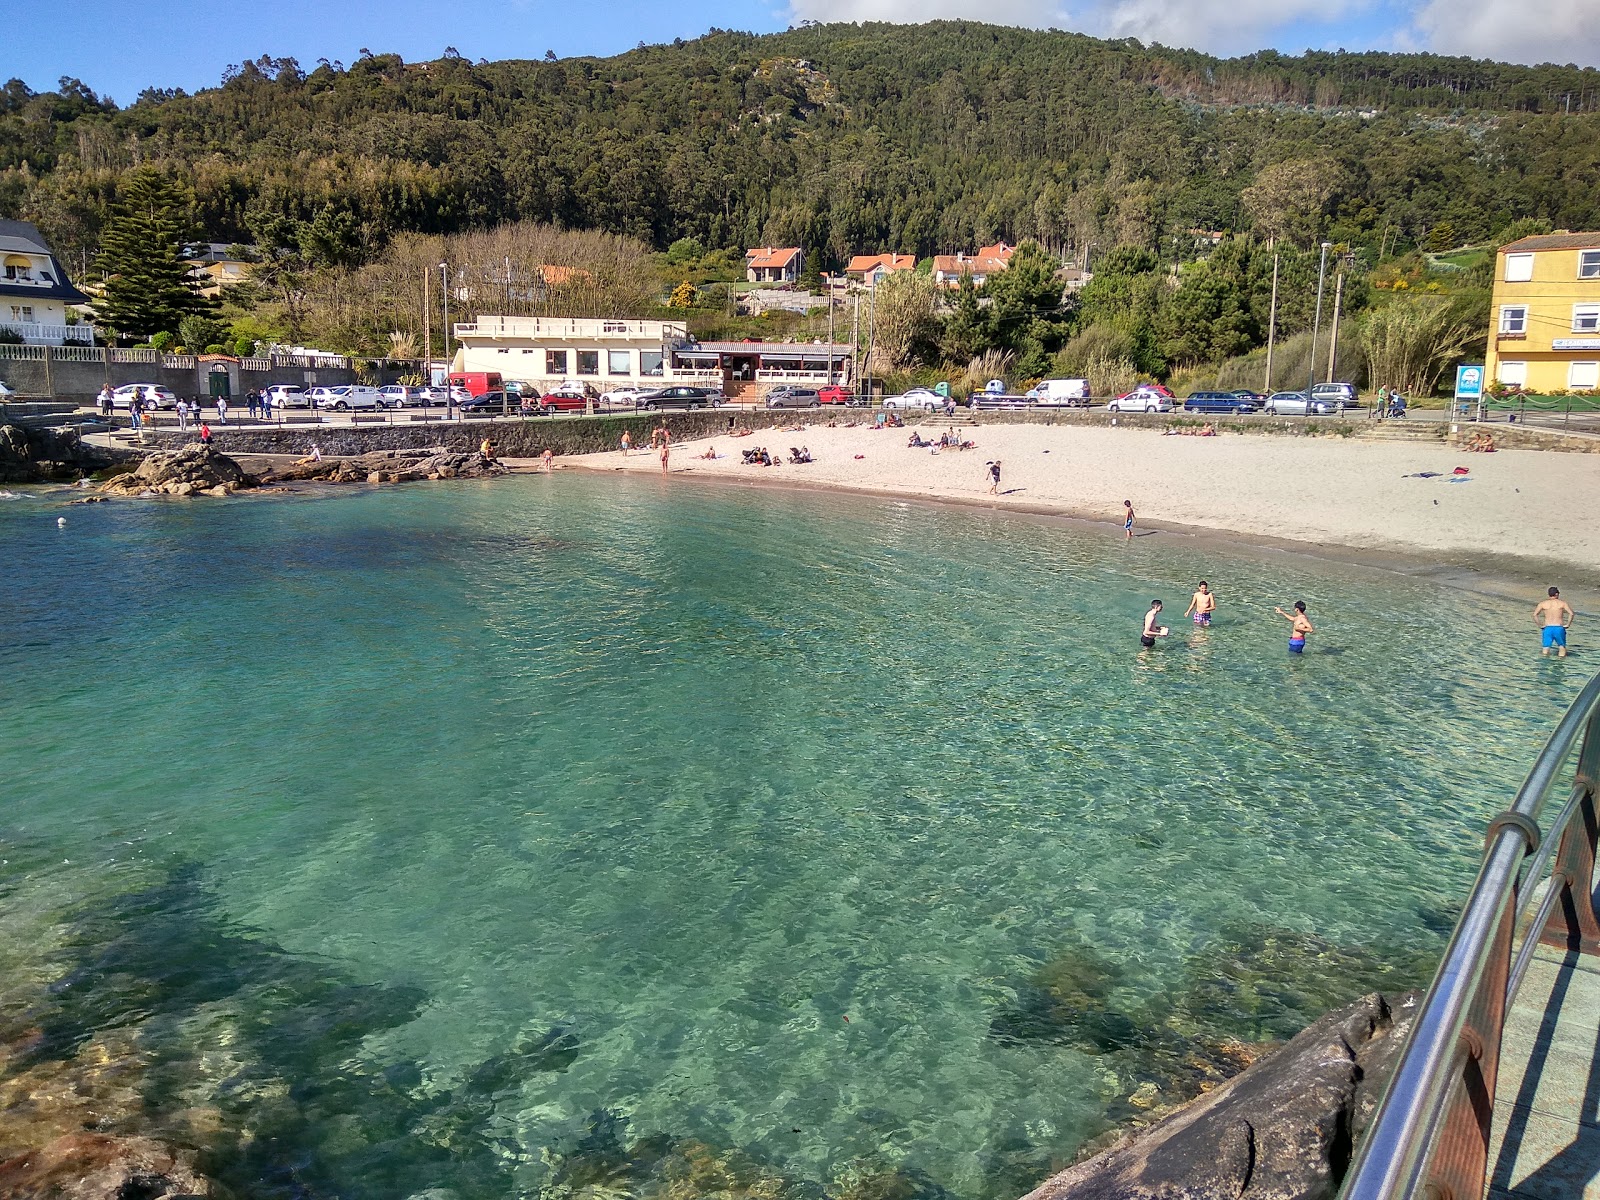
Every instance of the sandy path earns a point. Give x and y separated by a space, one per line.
1519 504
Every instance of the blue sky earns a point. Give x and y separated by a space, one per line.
119 48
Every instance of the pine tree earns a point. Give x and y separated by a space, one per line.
148 288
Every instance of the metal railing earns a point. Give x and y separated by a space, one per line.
1430 1136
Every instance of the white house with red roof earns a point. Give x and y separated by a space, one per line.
948 269
769 264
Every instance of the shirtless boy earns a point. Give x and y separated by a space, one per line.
1152 631
1554 615
1127 518
1202 605
1300 626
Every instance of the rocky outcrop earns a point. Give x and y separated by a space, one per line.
392 466
195 470
1284 1129
97 1166
37 453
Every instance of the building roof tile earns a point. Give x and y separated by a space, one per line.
764 257
1556 241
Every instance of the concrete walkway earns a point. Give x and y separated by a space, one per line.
1546 1139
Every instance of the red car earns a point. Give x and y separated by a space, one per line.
836 395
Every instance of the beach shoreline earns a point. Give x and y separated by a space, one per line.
1524 518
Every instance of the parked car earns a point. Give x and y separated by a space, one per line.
286 395
1218 402
357 395
836 394
793 397
681 396
147 393
1142 399
490 404
1340 394
988 399
1247 394
1293 404
399 395
320 397
924 398
442 395
626 396
1059 393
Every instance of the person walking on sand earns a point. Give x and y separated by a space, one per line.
1300 626
1202 604
1127 519
666 446
1152 631
627 443
1554 616
994 477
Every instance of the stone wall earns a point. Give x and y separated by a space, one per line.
514 437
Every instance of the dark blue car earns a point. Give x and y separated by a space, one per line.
1218 402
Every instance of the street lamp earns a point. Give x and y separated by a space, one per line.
444 286
1316 325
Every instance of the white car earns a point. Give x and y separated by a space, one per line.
147 392
1141 401
287 395
924 398
399 395
342 399
439 394
623 397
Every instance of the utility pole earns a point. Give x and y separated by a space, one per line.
855 346
1272 325
872 328
1316 325
1333 339
427 331
830 337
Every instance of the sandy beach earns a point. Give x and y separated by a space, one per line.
1521 508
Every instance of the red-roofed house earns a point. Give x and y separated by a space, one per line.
868 270
989 260
766 264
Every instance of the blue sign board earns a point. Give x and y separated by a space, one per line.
1469 382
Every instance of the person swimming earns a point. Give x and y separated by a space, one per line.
1300 626
1152 631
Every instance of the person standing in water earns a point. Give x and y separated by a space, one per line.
1127 518
1152 631
1202 604
1554 616
1300 626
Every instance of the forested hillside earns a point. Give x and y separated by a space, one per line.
839 137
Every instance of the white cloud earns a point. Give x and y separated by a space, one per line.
1220 26
1559 31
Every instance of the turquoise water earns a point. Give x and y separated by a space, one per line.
618 836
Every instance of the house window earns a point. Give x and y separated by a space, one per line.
619 362
588 362
1513 318
1589 264
1513 374
650 362
555 362
1586 318
22 312
1519 268
1583 375
614 327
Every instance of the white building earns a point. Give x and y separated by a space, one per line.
611 353
35 290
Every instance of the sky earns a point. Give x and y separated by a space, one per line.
119 48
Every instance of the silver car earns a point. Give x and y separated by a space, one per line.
149 393
923 398
1293 404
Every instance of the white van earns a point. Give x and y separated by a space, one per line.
1060 392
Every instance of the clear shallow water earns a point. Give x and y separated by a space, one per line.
590 835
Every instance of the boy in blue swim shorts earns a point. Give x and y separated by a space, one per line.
1300 626
1553 615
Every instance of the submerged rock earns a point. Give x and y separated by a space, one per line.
97 1166
1284 1129
193 471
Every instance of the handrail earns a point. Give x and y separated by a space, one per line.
1431 1130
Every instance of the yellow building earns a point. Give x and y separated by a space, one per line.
1544 333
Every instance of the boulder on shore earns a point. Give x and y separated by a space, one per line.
97 1166
1283 1129
195 470
391 466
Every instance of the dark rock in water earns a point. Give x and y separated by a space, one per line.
1284 1129
193 471
391 466
554 1051
94 1166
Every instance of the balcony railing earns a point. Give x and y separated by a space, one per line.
35 334
567 329
770 375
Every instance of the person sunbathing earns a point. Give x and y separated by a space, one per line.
917 442
711 452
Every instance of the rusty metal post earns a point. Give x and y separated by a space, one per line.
1461 1160
1574 925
